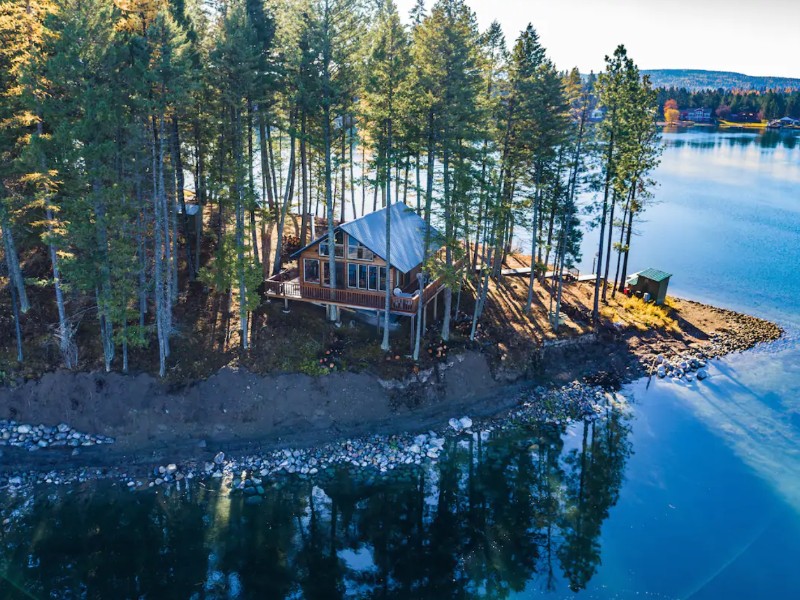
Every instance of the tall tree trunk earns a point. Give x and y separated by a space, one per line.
626 208
12 260
303 180
352 186
251 196
388 295
405 179
69 352
178 162
631 212
536 204
601 244
141 252
17 328
343 171
240 196
418 183
170 274
333 312
449 238
553 210
427 216
483 288
573 185
363 178
610 242
125 346
272 171
103 293
266 163
481 200
200 189
160 248
287 200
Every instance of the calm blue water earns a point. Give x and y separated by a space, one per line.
711 503
693 494
725 220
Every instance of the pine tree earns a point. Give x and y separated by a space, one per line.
495 73
447 50
35 181
333 24
612 88
386 70
638 157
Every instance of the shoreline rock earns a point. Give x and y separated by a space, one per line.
37 437
744 333
377 453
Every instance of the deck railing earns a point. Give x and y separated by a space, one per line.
356 298
286 284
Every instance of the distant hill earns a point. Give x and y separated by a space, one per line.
696 79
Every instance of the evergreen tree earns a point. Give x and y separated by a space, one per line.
386 70
448 53
613 91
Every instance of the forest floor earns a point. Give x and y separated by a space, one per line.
206 336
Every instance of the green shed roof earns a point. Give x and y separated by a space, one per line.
654 275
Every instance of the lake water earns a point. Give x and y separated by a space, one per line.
693 492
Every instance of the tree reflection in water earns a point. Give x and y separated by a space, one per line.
518 511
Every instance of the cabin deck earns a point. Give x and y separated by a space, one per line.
287 285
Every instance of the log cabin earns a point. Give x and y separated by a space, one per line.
361 269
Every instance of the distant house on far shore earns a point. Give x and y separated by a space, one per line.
784 122
698 115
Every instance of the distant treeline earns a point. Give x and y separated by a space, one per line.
724 103
696 80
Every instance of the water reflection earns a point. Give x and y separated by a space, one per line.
710 138
501 515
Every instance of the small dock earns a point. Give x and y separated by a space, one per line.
567 273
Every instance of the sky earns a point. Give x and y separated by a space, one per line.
754 38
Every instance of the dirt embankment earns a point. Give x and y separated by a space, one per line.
238 409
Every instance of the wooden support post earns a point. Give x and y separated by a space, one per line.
411 334
436 307
424 317
286 305
378 321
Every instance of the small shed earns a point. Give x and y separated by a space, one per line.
650 281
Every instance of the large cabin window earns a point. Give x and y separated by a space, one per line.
326 274
382 279
352 275
366 277
311 270
338 236
373 279
362 276
357 250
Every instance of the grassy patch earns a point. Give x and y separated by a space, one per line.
642 315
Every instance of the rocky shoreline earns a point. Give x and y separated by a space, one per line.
466 377
378 453
744 333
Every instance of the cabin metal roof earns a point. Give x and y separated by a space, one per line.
654 275
407 236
